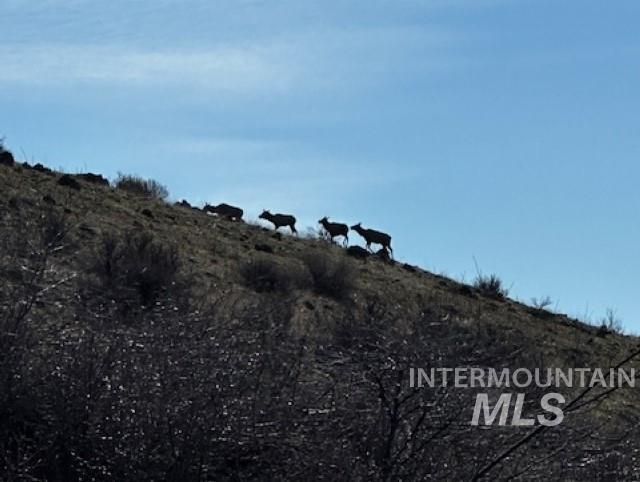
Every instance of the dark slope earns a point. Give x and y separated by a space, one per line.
264 356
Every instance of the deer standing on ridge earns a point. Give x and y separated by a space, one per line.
373 236
279 220
335 229
225 210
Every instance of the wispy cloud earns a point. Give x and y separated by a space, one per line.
226 69
222 148
283 63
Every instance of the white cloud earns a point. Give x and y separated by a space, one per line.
228 69
283 63
228 147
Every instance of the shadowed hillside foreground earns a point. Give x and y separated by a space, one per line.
145 341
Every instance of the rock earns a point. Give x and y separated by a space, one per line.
40 168
17 202
383 255
357 252
410 268
466 290
93 178
68 181
87 229
6 158
265 248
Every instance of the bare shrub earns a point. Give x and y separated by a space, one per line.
610 323
333 277
263 274
141 187
490 285
135 268
27 293
541 303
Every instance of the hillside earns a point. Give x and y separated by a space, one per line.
256 355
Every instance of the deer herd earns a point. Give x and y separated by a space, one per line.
331 229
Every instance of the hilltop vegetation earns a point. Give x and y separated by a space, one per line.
141 340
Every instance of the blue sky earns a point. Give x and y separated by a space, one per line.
502 130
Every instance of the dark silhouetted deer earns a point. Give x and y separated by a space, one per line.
335 229
373 236
225 210
280 220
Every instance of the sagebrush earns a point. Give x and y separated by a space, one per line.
141 187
